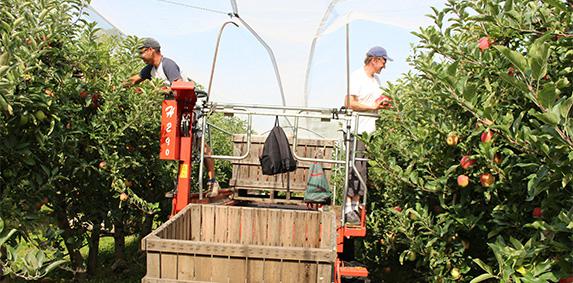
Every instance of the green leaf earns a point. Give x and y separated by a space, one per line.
6 237
508 5
483 265
515 82
566 180
550 118
516 58
482 277
538 55
548 95
53 265
3 70
516 243
453 68
565 107
557 4
4 58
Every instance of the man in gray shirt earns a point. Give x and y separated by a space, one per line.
157 66
166 69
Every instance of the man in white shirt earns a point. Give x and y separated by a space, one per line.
365 96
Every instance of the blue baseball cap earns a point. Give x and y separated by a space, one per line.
378 51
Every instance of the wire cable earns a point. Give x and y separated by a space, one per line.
195 7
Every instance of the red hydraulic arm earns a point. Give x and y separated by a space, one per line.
177 137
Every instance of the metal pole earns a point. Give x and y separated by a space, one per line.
347 167
347 66
215 57
202 155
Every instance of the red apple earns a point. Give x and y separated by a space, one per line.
484 43
486 136
537 212
96 101
466 162
566 280
384 101
398 209
463 181
452 139
511 71
84 94
102 164
486 179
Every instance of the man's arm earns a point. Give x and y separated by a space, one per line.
133 80
351 102
144 74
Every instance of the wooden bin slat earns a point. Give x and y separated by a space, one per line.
203 265
273 269
169 266
234 225
186 267
255 270
211 243
221 218
273 227
246 226
238 272
238 250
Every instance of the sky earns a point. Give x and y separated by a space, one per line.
188 29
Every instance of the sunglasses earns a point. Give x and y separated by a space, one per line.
142 50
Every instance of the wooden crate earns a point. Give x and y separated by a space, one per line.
247 173
217 243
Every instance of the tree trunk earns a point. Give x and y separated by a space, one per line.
94 248
119 239
76 258
147 226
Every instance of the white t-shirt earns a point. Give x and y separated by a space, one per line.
158 72
367 90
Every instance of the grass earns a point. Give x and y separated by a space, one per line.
134 271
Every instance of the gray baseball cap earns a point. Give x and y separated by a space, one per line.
378 51
149 42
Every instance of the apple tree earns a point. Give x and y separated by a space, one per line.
472 167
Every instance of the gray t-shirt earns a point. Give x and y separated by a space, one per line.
168 71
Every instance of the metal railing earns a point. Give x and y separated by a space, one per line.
324 114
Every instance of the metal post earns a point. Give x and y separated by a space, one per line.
202 155
347 167
215 57
347 66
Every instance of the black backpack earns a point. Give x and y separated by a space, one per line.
277 157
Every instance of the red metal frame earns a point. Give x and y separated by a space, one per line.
350 231
176 144
343 271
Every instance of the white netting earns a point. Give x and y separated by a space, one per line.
187 30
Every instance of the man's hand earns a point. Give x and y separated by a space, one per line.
384 102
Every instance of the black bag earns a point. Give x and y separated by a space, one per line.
277 157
